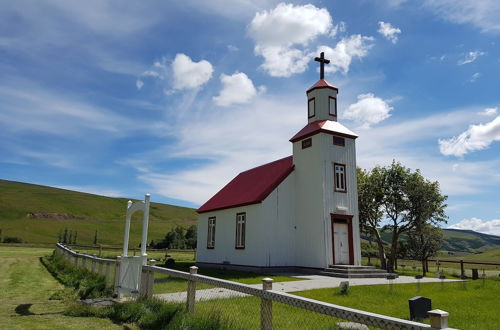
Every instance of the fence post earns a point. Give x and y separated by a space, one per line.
76 260
462 270
151 279
100 268
266 306
108 272
93 264
117 272
438 318
191 292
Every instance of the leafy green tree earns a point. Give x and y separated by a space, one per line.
191 237
402 199
409 201
370 198
423 242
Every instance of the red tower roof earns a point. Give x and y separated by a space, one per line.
322 83
324 126
251 186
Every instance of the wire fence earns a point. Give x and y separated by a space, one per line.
242 306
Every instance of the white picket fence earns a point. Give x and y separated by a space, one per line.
438 318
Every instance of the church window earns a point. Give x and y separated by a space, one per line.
338 141
340 177
240 230
311 110
211 233
332 105
306 143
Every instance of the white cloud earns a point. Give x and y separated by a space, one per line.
338 28
491 227
489 112
388 31
238 89
341 56
139 84
224 144
368 110
476 137
471 57
482 14
277 31
188 74
474 77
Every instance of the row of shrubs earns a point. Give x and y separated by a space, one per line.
152 313
147 314
86 284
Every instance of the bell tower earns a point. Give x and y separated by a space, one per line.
322 97
326 201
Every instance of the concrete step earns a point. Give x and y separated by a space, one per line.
354 275
354 271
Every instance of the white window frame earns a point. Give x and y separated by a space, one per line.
312 102
241 219
339 173
211 233
332 101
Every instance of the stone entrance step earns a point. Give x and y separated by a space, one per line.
351 271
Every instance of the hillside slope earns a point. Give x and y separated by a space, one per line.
38 213
462 241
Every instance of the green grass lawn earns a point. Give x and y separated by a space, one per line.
25 289
168 284
475 307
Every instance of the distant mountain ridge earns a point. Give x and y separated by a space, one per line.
462 241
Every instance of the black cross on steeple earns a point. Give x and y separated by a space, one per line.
322 60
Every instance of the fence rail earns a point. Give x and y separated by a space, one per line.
268 296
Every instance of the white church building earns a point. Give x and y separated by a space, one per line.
299 212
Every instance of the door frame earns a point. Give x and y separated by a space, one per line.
344 219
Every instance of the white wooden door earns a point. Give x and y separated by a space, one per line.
341 243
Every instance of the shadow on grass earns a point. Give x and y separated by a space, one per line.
24 310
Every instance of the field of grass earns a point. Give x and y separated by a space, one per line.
104 214
473 307
25 289
412 267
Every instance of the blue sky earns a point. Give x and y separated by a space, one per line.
121 98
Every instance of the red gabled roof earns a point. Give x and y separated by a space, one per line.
325 126
251 186
322 83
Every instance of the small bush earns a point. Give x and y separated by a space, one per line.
152 314
9 239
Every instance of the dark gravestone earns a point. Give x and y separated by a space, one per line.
391 276
475 274
170 263
419 306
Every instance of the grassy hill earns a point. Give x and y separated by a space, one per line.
462 241
37 214
468 241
